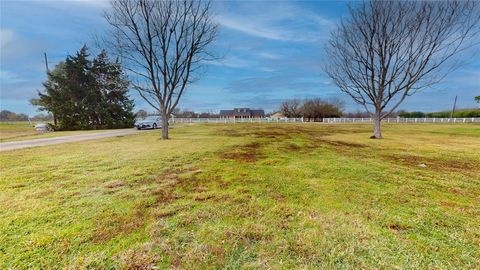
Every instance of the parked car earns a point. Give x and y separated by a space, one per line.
150 122
43 127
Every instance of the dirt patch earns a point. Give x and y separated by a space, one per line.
248 153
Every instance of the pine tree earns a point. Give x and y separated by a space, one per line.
84 94
112 86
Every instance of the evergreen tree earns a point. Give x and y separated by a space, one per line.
84 94
114 108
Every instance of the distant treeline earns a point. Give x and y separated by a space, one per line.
6 115
312 109
443 114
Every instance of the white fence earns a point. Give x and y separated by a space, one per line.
405 120
233 120
326 120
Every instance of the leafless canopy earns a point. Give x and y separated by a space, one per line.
161 43
291 108
312 109
388 50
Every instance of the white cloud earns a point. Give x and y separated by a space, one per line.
269 55
253 29
281 22
95 3
232 62
7 77
7 36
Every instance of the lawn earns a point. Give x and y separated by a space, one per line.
23 130
247 196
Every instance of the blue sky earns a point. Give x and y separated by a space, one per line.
272 51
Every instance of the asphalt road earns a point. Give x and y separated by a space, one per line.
5 146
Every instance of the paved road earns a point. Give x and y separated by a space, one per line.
65 139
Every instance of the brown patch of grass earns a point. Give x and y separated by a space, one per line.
44 193
458 191
229 133
203 197
277 133
247 153
19 185
139 259
164 195
398 227
119 225
198 189
437 164
115 184
292 147
168 212
344 144
249 233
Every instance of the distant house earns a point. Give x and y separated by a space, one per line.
277 115
242 113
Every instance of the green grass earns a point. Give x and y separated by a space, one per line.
247 196
20 131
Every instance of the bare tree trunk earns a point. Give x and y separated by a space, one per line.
377 129
164 126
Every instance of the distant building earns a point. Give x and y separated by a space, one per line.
242 113
277 115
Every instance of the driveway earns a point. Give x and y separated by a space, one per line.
65 139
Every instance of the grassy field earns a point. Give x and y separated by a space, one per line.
19 131
247 196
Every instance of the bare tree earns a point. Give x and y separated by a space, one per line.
162 44
316 109
388 50
291 108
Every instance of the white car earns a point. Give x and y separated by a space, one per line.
150 122
43 127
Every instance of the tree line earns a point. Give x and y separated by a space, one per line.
312 109
6 115
444 114
83 93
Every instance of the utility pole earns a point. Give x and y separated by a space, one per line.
454 105
47 70
46 62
